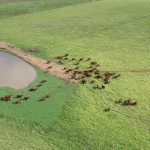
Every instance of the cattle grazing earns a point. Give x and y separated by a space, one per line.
45 97
64 68
49 67
116 76
25 98
59 57
129 102
81 59
6 98
65 58
87 74
91 70
107 82
48 62
83 81
32 50
80 72
107 109
32 89
97 72
41 99
88 59
77 68
103 86
93 63
73 59
107 77
43 81
69 70
66 55
73 76
61 62
74 73
39 85
18 96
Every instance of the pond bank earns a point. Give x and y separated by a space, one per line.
57 70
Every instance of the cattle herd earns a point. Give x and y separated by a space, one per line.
91 74
20 97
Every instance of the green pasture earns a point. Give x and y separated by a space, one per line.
9 8
116 34
83 30
33 110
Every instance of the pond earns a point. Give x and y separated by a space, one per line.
14 72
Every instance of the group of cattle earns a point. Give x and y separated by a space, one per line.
19 98
37 86
91 74
128 102
88 75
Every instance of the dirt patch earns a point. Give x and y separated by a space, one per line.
57 70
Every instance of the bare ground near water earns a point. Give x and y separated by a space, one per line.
57 70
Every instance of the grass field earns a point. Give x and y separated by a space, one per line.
34 110
17 7
116 34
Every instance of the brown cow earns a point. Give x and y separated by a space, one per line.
18 96
66 55
32 89
48 62
49 67
25 98
43 81
88 59
83 81
6 98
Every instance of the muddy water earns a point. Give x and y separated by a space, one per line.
14 72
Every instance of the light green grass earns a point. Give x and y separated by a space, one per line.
84 30
114 33
10 8
20 135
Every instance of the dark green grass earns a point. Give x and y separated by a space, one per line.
41 112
